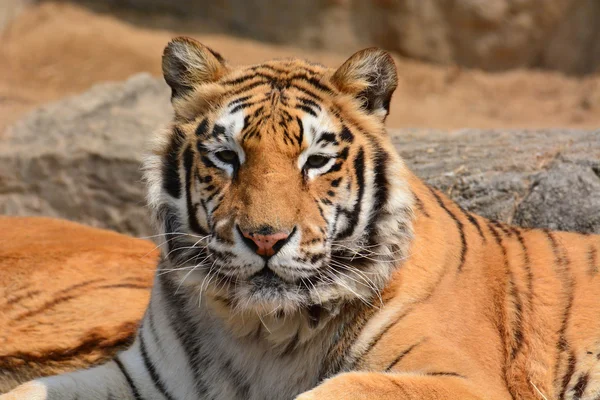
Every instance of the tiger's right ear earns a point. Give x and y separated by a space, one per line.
187 63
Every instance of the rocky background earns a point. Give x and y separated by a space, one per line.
493 35
79 158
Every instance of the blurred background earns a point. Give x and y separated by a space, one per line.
462 63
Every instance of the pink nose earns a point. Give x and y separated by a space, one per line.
267 245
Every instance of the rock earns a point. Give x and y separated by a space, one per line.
487 34
545 178
79 159
71 296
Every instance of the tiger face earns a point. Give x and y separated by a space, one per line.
276 186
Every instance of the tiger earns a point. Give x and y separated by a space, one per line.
303 260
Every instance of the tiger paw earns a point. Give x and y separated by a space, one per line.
33 390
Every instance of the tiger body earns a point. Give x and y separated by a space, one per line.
302 259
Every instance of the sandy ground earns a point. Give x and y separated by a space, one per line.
53 50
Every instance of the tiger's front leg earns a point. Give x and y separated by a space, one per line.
110 381
388 386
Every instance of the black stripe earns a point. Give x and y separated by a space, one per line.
180 322
571 362
377 338
306 109
517 329
134 390
402 355
421 206
249 86
346 135
192 209
561 262
218 130
473 221
217 55
266 78
312 81
580 386
309 103
152 326
459 227
380 198
300 136
593 260
171 180
202 128
238 101
151 370
526 265
353 216
327 137
518 326
307 92
442 373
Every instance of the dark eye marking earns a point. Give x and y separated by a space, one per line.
327 137
316 161
335 168
218 130
227 156
207 163
307 109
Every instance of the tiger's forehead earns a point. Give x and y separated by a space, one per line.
280 105
281 72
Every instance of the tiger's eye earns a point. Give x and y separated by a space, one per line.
227 156
316 161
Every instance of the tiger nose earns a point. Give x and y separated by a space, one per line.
265 244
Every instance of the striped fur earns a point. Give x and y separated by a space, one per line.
385 288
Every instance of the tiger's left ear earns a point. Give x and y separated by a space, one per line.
187 63
370 76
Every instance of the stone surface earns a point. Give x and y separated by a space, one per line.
488 34
70 295
80 158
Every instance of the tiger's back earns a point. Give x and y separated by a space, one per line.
514 308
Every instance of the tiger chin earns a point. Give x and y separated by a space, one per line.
302 260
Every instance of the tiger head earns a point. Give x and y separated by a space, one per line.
276 186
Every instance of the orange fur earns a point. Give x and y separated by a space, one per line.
70 296
540 337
